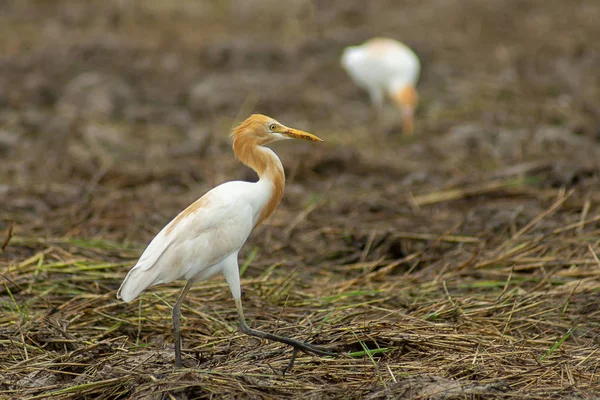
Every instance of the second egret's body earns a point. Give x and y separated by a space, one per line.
206 237
383 67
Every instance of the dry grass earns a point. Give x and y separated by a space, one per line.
461 264
516 317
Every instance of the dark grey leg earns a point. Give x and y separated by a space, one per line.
297 345
176 323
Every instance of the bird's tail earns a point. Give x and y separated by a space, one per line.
136 281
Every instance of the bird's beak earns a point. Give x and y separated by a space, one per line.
298 134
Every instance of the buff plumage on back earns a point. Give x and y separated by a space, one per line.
245 139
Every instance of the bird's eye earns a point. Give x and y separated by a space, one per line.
272 127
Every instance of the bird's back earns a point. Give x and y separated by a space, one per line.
199 238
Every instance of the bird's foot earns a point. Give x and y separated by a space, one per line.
309 348
178 362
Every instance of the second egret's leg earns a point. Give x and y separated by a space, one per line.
377 96
377 108
176 323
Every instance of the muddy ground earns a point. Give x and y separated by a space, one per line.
460 263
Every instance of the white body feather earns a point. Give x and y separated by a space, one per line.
381 66
203 242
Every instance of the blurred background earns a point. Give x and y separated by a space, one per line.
116 113
451 249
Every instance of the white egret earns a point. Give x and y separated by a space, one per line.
205 238
383 67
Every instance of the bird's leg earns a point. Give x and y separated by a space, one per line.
176 323
377 108
379 122
305 347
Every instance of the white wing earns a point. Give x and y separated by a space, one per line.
196 241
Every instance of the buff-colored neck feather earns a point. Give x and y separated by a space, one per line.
248 149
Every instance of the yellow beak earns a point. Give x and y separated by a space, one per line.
298 134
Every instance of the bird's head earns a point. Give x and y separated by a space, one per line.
262 130
406 99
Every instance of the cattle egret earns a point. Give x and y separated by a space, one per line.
205 238
385 66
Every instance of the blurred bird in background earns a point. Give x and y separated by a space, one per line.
205 238
383 67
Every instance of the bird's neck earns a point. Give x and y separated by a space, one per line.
269 169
